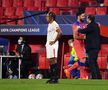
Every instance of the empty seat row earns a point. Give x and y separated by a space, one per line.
21 3
97 11
88 10
65 3
47 3
11 11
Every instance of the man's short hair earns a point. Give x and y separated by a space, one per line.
91 17
52 14
80 11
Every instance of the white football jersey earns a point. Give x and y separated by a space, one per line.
52 31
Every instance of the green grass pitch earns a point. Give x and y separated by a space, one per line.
64 84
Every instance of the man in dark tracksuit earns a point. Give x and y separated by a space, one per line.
92 44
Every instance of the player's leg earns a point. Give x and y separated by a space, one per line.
52 57
74 66
80 51
70 63
53 70
82 67
75 72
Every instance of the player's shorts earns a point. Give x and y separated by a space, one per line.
52 50
79 49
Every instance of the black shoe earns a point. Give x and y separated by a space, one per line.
48 81
53 82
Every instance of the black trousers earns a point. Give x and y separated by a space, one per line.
92 61
25 65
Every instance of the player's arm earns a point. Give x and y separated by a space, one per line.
89 29
79 38
75 33
59 34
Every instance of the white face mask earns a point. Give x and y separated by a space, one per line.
19 41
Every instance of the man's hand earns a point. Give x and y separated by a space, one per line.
78 27
51 42
84 37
